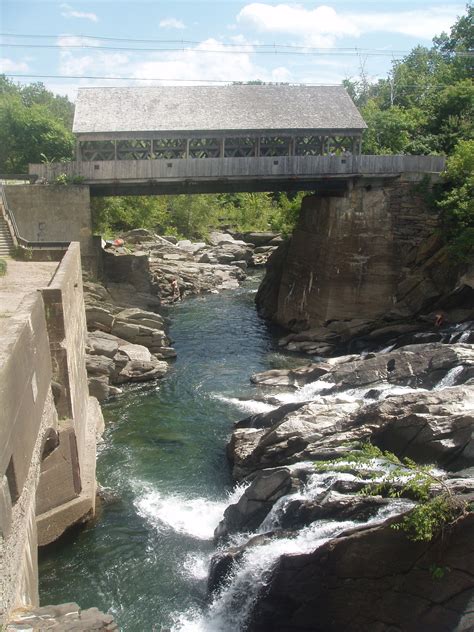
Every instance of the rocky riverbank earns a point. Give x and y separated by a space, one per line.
142 272
302 549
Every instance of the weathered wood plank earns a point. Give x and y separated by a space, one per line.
267 167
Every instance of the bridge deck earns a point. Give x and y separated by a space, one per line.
229 174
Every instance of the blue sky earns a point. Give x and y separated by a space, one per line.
304 42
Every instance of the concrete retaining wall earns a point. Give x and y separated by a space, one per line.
48 429
50 213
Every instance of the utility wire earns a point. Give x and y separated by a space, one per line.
277 50
204 81
183 41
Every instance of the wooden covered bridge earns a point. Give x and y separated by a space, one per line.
216 139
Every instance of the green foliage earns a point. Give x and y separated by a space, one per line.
33 122
389 131
426 103
63 178
438 572
22 253
436 507
457 203
3 267
194 216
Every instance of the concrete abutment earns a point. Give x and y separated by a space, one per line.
48 424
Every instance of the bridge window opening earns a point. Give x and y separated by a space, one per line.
275 146
134 150
204 148
92 150
309 146
12 482
169 148
240 147
339 145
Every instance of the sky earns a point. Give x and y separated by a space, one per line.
176 42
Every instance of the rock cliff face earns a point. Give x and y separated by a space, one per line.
356 261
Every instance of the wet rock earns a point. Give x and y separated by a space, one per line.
331 505
425 426
291 377
62 618
256 502
421 366
223 561
373 579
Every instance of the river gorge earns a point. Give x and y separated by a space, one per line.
163 460
166 479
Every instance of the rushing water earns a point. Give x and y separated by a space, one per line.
146 556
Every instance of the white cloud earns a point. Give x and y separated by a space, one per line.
318 27
322 26
218 62
69 12
99 63
8 65
75 40
172 23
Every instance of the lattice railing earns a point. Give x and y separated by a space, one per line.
240 147
217 147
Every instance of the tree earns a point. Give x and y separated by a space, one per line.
457 202
28 133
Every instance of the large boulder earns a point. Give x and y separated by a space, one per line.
256 502
373 579
112 361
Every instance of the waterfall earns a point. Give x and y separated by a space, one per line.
450 378
231 607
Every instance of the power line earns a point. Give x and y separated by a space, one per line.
275 51
192 42
204 81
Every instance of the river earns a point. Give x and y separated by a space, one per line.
145 558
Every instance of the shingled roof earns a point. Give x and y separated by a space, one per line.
211 108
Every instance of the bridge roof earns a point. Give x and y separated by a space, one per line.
210 108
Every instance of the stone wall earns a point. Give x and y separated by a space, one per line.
348 256
53 213
47 431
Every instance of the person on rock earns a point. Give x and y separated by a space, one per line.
176 294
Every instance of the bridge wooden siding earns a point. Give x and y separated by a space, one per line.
244 172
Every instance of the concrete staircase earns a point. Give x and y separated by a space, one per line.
6 241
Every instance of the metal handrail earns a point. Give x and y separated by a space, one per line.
18 240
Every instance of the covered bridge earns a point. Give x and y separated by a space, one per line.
237 121
207 139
